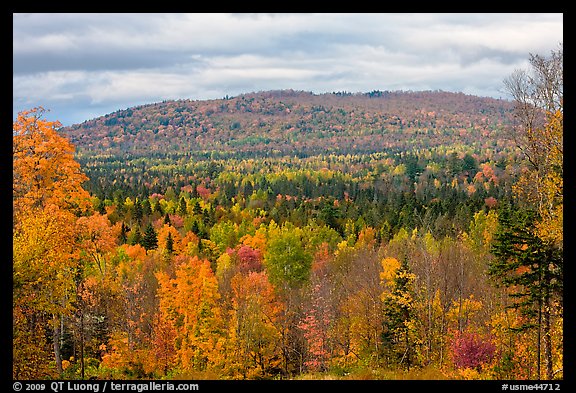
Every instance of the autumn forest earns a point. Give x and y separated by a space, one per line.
291 235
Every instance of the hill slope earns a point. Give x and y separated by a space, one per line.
277 123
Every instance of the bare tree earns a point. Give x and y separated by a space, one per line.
535 94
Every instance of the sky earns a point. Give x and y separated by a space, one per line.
81 66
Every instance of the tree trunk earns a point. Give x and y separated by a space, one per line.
56 342
547 339
539 346
82 345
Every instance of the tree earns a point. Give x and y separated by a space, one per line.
95 239
315 326
169 243
182 207
135 236
43 287
470 350
189 302
539 99
253 330
138 211
286 260
47 194
44 169
150 238
532 271
398 333
123 235
170 239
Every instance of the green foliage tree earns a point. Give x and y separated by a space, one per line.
138 212
287 261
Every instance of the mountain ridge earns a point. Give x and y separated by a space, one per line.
286 122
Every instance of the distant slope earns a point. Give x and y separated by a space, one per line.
287 122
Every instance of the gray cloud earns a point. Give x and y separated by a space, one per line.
82 65
127 59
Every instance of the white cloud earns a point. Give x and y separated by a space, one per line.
104 60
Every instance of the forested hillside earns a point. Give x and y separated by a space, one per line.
393 153
277 123
285 234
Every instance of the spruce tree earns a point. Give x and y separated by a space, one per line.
196 208
123 236
533 269
182 207
150 238
397 335
138 213
169 243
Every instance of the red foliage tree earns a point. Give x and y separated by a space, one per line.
470 350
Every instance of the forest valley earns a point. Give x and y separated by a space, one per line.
282 235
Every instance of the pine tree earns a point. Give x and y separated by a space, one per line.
157 207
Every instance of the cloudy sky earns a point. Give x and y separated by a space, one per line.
80 66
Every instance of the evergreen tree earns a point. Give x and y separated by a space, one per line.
330 214
138 213
398 332
169 243
194 193
150 238
182 207
532 270
146 208
195 228
101 207
157 207
123 236
196 208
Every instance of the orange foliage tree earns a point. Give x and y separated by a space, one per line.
47 193
44 169
189 301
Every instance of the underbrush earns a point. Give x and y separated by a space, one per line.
426 373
